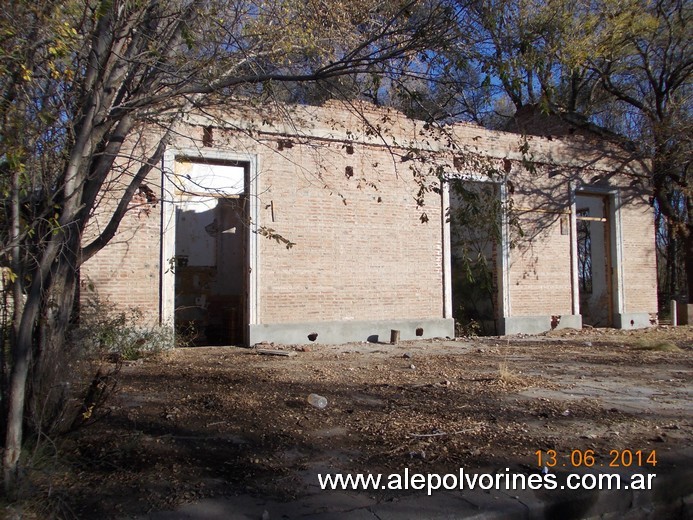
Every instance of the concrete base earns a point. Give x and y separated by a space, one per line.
684 313
632 320
335 332
537 324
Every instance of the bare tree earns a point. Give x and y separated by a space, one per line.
80 78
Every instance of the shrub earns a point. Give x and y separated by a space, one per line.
76 381
105 331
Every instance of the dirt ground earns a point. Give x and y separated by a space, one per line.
202 422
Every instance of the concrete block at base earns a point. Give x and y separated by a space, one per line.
538 324
335 332
632 320
685 313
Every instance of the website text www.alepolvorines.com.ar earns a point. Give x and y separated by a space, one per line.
431 482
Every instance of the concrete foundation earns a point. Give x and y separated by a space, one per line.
632 320
335 332
537 324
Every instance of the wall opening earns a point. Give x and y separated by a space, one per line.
211 260
594 263
475 238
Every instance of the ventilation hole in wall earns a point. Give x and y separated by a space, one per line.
419 331
313 336
284 143
207 136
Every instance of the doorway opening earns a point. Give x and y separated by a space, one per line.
211 260
594 259
475 238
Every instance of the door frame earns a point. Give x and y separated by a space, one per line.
502 295
615 278
169 198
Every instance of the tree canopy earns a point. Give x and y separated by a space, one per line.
620 67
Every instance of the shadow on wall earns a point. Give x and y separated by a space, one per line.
537 207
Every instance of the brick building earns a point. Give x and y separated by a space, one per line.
328 224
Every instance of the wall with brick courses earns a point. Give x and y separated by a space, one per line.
539 275
126 272
361 251
540 262
360 244
358 252
639 255
540 257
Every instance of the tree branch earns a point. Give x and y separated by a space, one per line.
112 227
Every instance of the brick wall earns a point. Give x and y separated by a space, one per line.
338 188
361 250
126 271
639 255
540 258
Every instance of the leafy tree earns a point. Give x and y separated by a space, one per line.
643 60
618 67
79 79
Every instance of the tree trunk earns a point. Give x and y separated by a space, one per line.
14 403
21 358
46 391
689 248
51 288
17 291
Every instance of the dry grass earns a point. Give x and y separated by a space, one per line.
656 346
507 375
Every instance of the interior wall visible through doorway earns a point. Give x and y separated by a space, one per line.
207 248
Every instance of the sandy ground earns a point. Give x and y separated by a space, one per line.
202 422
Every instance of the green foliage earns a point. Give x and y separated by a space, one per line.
476 220
465 325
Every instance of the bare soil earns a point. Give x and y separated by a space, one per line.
202 422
